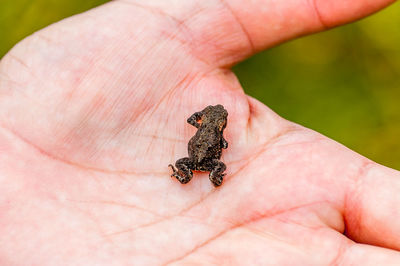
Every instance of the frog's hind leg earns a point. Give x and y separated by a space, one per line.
183 171
217 172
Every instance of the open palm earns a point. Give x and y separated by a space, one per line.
93 109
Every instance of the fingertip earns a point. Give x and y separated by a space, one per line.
334 13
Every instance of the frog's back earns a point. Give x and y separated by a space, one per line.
205 145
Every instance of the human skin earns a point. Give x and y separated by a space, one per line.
93 109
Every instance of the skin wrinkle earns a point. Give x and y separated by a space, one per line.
180 25
121 97
38 149
187 80
75 165
162 138
95 221
264 146
269 235
254 156
149 146
170 92
156 11
190 41
165 96
76 84
23 94
198 247
181 213
182 29
109 236
249 119
88 115
185 31
131 230
274 213
245 32
303 142
20 61
352 195
188 208
315 8
83 121
129 122
15 58
315 228
120 204
46 39
4 77
265 234
83 73
169 217
119 102
238 225
231 78
340 226
135 65
262 149
345 245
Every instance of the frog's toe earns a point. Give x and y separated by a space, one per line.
174 170
183 179
216 179
182 176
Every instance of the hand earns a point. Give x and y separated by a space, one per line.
94 108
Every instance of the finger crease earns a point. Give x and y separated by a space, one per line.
245 32
318 14
351 196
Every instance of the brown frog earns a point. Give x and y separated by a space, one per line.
205 147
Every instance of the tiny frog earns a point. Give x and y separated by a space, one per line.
205 147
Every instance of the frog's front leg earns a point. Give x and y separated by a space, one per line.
224 143
183 171
194 119
217 172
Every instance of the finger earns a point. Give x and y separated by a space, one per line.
228 31
272 22
372 211
360 254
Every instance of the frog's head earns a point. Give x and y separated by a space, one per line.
216 115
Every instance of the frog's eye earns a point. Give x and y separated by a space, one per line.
199 119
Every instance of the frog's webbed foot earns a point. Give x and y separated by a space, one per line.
217 172
183 171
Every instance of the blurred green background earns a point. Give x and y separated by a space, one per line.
344 83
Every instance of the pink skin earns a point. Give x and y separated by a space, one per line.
93 109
